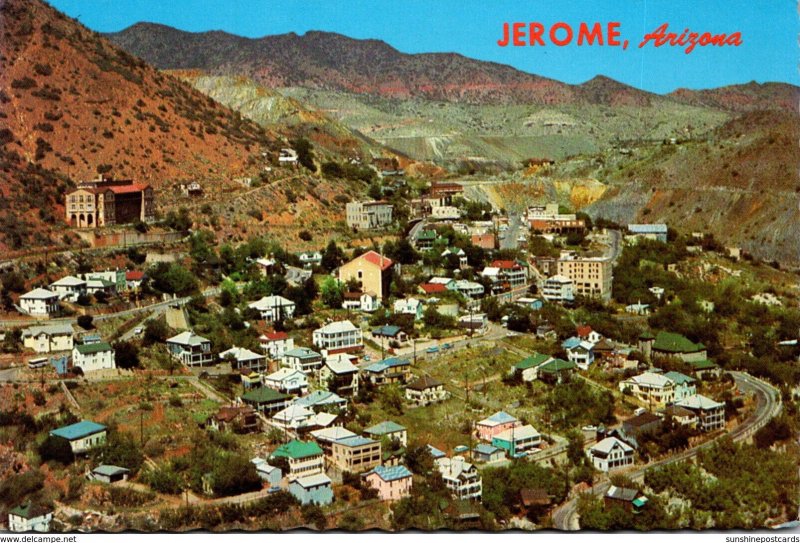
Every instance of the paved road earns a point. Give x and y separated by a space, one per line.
768 406
509 239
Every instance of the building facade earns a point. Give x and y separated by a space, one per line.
368 215
591 276
106 202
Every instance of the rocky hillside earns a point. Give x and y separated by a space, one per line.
292 118
324 60
748 97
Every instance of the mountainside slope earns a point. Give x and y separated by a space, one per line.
747 97
73 106
324 60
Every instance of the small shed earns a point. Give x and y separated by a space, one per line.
106 473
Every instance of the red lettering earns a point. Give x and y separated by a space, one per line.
657 37
536 30
519 34
734 39
590 37
504 40
613 34
554 36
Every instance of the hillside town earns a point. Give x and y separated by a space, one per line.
472 345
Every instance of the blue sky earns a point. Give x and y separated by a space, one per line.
769 31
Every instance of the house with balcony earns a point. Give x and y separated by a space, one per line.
685 386
653 389
356 454
69 288
489 427
388 371
460 477
305 458
579 351
339 375
302 359
241 358
266 400
287 380
710 413
191 349
611 454
276 344
338 337
518 441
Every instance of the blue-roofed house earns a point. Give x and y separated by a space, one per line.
356 454
82 436
392 483
436 453
483 452
315 489
656 232
323 400
493 425
387 371
268 473
390 430
109 474
390 332
579 351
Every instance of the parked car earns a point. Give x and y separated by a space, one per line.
432 350
138 331
447 346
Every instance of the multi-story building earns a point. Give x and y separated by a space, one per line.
518 441
710 414
304 458
369 215
495 424
39 302
69 288
48 338
611 454
591 276
372 271
242 358
390 370
460 477
546 219
558 289
191 349
392 483
93 356
28 517
273 308
338 337
425 390
656 232
685 386
651 388
302 359
276 344
356 454
106 202
339 375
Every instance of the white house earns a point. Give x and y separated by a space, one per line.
28 517
361 301
287 380
340 375
293 417
338 337
244 358
69 288
302 359
470 288
651 388
49 338
457 252
409 306
610 454
460 477
558 289
448 282
93 356
276 344
39 302
273 308
579 351
82 436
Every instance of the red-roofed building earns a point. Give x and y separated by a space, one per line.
372 271
276 344
133 279
432 288
106 202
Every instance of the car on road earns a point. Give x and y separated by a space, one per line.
432 350
138 331
447 346
366 358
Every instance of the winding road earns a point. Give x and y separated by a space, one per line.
768 406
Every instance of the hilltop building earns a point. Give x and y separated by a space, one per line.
106 202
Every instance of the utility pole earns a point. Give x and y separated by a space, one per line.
141 428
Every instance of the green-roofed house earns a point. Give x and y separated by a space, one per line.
529 367
554 371
390 430
705 368
671 345
82 436
93 356
304 458
28 517
426 239
266 400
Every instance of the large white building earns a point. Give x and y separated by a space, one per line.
651 388
29 517
591 276
93 356
69 288
558 289
368 215
339 336
39 302
461 477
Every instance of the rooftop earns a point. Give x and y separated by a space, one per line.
676 343
188 338
501 417
385 427
424 382
297 449
377 259
536 359
355 441
78 430
388 363
391 473
39 294
313 480
91 348
264 395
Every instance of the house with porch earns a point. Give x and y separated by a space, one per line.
388 371
338 337
302 359
68 288
611 454
339 375
273 308
39 302
304 458
240 358
266 400
191 349
389 430
276 344
425 390
287 380
461 477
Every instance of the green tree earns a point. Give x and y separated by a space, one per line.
332 294
57 449
126 355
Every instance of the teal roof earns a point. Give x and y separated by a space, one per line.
557 365
383 428
679 378
676 343
532 361
355 441
92 348
704 364
386 331
384 365
391 473
28 511
427 234
110 471
264 395
297 449
78 430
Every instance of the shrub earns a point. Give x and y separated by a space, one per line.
24 83
86 322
